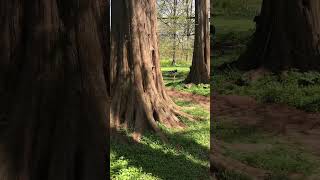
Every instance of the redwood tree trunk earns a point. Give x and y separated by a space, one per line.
200 69
52 75
287 36
139 99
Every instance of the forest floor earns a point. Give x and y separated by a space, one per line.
187 154
267 127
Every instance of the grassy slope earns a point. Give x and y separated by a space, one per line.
301 90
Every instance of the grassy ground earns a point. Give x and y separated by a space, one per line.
243 8
281 158
301 90
185 157
183 69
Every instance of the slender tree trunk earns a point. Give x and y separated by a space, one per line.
139 99
200 69
51 65
175 6
188 28
287 36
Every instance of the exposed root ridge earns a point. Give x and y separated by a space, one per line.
220 163
149 110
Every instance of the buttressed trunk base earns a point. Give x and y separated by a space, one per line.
287 36
200 68
139 99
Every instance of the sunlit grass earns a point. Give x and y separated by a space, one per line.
185 157
281 158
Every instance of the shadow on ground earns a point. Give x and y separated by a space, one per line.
183 160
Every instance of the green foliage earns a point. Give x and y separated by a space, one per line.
301 90
173 22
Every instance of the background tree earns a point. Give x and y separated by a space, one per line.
200 69
176 21
287 36
52 77
139 99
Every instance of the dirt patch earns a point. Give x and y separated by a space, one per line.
293 125
197 99
279 118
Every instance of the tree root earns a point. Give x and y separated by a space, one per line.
221 163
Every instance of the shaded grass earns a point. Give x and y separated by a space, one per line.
227 175
239 28
300 90
185 157
243 8
282 159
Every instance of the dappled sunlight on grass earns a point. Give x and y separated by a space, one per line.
185 157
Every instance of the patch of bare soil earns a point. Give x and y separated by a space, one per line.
197 99
294 125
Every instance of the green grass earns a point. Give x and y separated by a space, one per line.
300 90
177 83
282 159
242 8
152 159
235 25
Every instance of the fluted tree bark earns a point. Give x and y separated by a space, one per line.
287 36
52 80
139 98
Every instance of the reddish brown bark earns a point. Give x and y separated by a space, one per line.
52 76
200 69
139 99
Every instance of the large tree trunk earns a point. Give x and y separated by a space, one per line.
51 65
139 99
200 69
287 36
